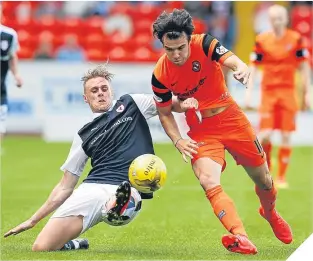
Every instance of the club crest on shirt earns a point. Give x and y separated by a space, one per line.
196 66
120 108
4 45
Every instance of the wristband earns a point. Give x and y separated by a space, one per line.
178 141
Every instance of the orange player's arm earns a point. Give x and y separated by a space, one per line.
304 68
256 59
216 52
241 71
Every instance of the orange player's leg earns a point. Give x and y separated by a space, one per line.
267 123
287 126
208 165
248 152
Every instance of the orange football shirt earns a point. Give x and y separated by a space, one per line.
200 77
280 58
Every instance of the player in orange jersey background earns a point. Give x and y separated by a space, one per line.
281 52
191 68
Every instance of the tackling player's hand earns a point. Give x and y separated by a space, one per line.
190 103
242 74
186 147
307 101
28 224
18 81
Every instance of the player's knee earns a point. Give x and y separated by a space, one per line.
285 139
207 181
265 138
37 247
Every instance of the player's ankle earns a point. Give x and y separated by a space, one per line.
239 231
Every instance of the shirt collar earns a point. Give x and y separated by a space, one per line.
96 114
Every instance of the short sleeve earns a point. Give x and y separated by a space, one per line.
214 50
302 52
162 95
257 55
15 44
76 159
146 104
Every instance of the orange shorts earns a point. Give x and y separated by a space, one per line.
278 109
230 130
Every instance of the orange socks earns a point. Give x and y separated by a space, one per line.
267 197
224 209
283 161
267 147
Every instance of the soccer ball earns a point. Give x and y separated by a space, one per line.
147 173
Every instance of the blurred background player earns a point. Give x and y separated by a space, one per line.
191 67
9 61
281 52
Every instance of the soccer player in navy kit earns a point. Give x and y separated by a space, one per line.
9 61
117 135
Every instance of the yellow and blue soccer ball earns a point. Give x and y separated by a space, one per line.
147 173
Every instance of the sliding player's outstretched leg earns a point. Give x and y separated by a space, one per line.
123 193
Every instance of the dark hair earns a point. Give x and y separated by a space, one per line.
173 25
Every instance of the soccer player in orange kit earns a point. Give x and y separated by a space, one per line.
191 67
281 52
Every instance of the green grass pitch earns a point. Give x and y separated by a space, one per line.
177 224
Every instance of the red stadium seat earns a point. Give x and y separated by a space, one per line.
25 53
143 26
143 40
142 54
74 25
94 25
96 55
96 41
119 54
200 26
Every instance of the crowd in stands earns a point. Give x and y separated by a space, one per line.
120 31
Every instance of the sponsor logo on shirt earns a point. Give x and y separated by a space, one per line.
120 121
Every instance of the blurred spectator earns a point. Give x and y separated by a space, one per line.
100 8
308 3
70 51
119 24
222 22
197 9
23 12
261 18
76 8
44 50
53 8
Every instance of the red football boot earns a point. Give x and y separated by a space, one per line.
239 244
280 227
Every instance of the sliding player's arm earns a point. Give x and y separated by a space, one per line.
163 100
216 52
72 168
